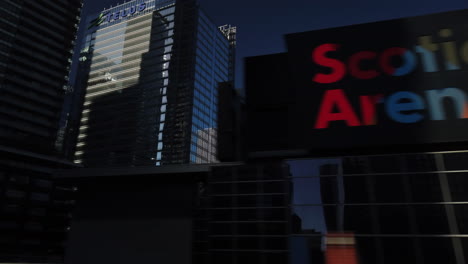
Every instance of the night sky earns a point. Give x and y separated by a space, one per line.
261 24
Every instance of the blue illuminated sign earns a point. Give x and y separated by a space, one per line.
109 17
126 12
117 15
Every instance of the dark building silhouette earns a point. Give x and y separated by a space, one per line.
231 124
37 44
248 214
141 214
35 54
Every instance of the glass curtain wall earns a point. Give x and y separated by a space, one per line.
409 208
211 68
125 103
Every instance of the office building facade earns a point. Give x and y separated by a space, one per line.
150 96
389 208
35 209
36 49
247 212
35 54
397 208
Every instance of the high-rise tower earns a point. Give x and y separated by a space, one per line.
36 46
151 93
35 55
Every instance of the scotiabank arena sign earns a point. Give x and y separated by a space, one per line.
398 82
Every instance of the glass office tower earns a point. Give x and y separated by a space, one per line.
151 89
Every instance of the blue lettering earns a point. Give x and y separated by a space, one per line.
132 10
141 7
395 107
409 66
124 13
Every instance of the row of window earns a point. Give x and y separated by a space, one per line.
137 25
28 116
219 68
27 126
141 43
141 36
252 243
210 27
379 164
248 229
32 106
111 59
248 215
201 95
245 201
255 188
203 106
198 158
411 188
201 114
44 22
202 148
382 219
202 124
32 75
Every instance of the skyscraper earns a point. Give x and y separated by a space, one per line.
35 55
36 45
151 92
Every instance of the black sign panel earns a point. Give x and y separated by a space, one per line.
397 82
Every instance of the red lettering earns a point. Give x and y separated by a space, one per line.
339 68
368 110
354 67
345 112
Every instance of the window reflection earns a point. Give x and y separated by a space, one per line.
396 206
457 183
306 250
308 220
314 167
306 191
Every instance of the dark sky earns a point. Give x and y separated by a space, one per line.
261 24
